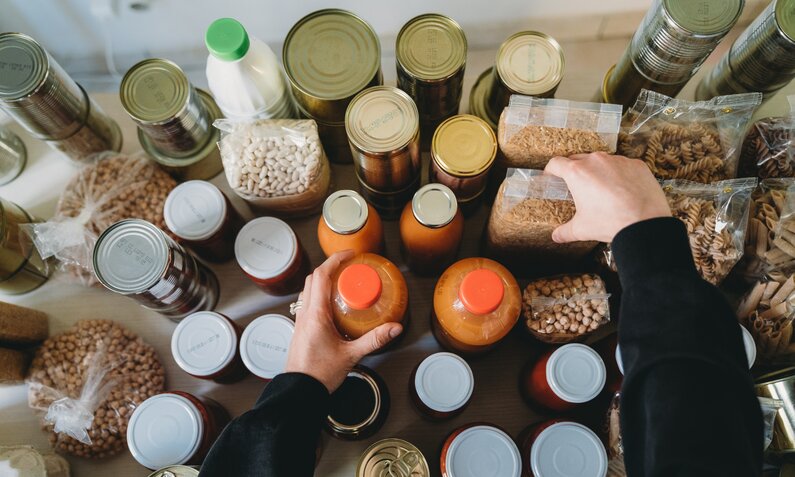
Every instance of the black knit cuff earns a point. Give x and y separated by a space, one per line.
300 388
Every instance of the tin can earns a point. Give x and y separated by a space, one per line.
265 344
392 457
781 385
479 443
333 137
545 445
388 204
42 98
134 258
360 406
13 155
176 471
479 99
441 385
21 267
205 345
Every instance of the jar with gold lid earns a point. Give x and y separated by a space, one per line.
392 456
348 222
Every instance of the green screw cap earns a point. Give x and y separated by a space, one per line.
226 39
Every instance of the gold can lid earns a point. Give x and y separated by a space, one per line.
392 457
23 66
464 146
479 98
331 54
154 90
705 17
345 212
434 205
381 119
431 47
176 471
530 63
785 18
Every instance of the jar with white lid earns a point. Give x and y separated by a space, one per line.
562 449
174 428
441 385
562 379
205 345
271 255
264 345
201 216
473 451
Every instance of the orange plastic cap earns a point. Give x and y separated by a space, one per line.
359 286
481 291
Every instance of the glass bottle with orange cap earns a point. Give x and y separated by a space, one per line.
367 291
475 304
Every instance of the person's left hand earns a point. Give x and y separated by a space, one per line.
317 348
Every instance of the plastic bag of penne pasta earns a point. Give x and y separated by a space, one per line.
767 312
678 139
770 240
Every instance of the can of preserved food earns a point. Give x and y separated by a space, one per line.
781 385
431 230
348 222
205 345
265 344
392 456
389 204
481 444
561 379
271 255
762 58
547 445
476 303
134 258
200 215
13 155
359 407
462 152
21 267
441 385
42 98
174 428
176 471
479 99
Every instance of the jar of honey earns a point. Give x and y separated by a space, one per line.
475 304
476 450
431 229
564 378
264 345
271 255
367 291
561 449
349 223
441 385
205 345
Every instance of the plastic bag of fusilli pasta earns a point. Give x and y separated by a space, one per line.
766 149
678 139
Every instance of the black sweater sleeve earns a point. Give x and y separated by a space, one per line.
278 438
688 407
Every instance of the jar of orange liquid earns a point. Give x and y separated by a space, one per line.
349 223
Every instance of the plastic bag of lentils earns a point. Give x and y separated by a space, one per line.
277 165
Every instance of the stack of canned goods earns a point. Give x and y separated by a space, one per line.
174 119
42 98
672 42
431 57
762 59
528 63
330 56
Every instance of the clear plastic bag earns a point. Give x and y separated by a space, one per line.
770 239
767 312
277 165
716 216
766 151
679 139
614 446
770 408
533 130
529 206
565 308
111 188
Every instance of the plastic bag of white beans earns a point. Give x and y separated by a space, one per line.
277 165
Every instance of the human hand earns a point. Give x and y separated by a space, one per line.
610 193
317 348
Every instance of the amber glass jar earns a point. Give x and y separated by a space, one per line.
205 345
476 303
441 385
561 379
431 228
349 223
475 450
359 407
367 291
562 448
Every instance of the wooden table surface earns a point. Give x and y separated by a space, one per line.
496 398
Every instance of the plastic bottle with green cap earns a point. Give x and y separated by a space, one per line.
244 74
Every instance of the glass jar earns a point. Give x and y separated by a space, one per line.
205 345
441 385
392 457
265 344
473 451
134 258
203 218
13 155
174 428
21 267
349 223
271 255
561 379
475 304
359 407
561 449
431 229
367 291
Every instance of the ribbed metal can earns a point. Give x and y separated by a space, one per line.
761 59
479 99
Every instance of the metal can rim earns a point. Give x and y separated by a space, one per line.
708 34
183 89
480 89
408 135
177 471
545 86
399 442
452 70
445 165
43 72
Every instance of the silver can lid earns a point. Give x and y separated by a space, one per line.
345 212
434 205
131 256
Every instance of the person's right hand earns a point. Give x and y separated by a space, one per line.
610 193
